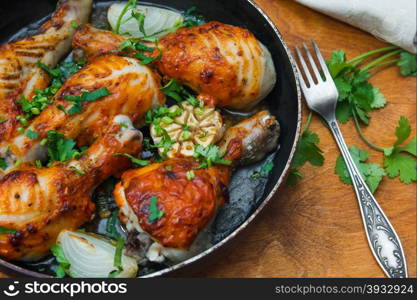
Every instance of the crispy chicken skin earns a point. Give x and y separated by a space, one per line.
19 73
134 90
39 203
226 65
189 205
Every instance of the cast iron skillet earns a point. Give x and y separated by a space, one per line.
284 101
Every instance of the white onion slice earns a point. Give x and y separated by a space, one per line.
156 20
92 256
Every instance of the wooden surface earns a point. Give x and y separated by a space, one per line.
315 229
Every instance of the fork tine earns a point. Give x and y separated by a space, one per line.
312 63
301 79
305 68
323 64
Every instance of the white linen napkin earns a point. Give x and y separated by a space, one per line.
391 20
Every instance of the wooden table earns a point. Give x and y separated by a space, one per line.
315 228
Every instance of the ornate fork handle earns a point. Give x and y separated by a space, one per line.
382 238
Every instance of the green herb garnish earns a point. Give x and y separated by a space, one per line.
2 120
5 230
190 175
77 101
154 212
372 173
210 155
60 148
135 160
32 134
398 159
118 258
64 264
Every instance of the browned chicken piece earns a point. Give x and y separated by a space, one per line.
226 65
19 73
134 89
173 202
39 203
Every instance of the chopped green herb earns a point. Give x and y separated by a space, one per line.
64 264
3 164
17 163
60 148
168 168
74 24
398 159
118 258
372 173
192 18
123 125
2 120
78 171
32 134
5 230
154 212
267 167
111 226
190 175
135 160
131 4
209 156
179 93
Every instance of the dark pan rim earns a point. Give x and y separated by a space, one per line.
262 205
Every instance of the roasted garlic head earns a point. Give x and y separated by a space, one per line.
191 126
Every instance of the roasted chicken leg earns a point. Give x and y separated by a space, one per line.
134 89
187 204
226 65
19 73
39 203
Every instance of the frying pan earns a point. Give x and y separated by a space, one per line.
284 102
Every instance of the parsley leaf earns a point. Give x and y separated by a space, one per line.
32 134
5 230
209 156
3 164
307 151
407 64
192 18
111 226
60 148
179 93
372 173
118 253
154 212
64 264
398 160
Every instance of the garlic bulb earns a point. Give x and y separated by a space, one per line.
158 21
194 126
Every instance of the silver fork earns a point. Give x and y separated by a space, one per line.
321 96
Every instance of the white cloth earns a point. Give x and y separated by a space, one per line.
391 20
